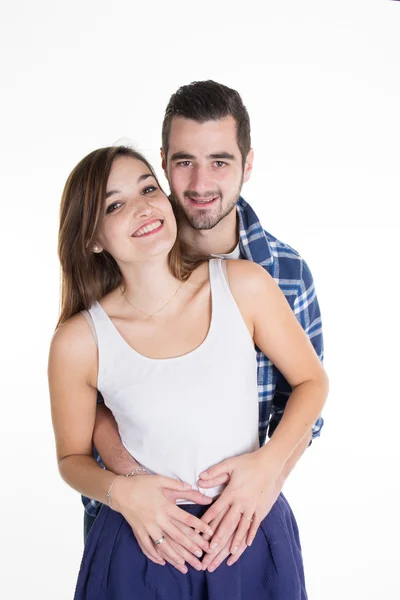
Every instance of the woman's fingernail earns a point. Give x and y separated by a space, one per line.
249 543
213 546
209 532
211 569
199 553
198 567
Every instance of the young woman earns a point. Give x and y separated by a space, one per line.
170 343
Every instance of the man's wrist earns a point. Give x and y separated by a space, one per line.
137 471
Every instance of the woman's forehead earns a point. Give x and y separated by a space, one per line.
128 170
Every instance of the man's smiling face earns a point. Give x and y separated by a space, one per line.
205 170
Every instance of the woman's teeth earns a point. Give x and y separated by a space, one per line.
147 228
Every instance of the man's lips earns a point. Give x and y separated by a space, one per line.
148 228
203 202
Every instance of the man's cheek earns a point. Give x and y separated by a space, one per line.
178 186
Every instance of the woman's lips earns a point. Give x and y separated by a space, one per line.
148 228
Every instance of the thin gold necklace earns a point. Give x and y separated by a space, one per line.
157 311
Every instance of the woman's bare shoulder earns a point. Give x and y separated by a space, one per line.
248 275
73 340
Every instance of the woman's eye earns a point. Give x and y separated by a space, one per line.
111 207
149 189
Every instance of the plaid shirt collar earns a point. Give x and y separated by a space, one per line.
253 242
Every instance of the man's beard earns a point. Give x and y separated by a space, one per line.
205 219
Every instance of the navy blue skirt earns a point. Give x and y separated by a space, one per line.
114 567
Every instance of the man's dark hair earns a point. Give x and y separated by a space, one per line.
208 101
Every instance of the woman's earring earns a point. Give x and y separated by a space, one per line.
97 249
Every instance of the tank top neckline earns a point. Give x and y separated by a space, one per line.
191 353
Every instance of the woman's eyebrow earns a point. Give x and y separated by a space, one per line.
140 179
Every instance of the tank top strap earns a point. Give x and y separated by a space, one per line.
226 315
106 333
220 290
218 275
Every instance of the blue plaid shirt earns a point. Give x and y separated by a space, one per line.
294 278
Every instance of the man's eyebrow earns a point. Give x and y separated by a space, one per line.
214 156
140 179
182 156
220 155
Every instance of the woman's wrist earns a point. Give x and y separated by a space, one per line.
119 493
110 488
121 487
270 461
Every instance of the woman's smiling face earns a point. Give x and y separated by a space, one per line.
138 222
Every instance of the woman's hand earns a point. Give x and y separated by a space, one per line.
254 486
148 504
211 561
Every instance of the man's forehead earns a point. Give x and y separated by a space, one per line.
216 135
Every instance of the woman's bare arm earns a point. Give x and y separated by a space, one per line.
72 382
256 478
142 500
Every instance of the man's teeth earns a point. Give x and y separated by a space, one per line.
202 201
147 228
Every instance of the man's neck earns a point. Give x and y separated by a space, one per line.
221 239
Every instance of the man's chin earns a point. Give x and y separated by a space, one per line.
202 224
204 219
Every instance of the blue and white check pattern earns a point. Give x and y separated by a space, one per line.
294 278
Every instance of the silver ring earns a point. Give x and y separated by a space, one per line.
160 541
250 519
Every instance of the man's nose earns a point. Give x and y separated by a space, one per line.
200 180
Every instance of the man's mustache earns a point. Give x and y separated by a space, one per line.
190 194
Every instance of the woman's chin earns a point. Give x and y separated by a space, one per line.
157 249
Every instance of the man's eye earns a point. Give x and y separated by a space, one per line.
111 207
184 163
219 163
149 189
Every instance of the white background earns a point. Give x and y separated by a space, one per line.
321 81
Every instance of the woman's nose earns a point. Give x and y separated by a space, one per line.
142 209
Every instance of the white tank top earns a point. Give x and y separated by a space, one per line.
179 416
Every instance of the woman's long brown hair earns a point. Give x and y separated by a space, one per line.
86 276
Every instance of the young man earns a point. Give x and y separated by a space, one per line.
207 157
